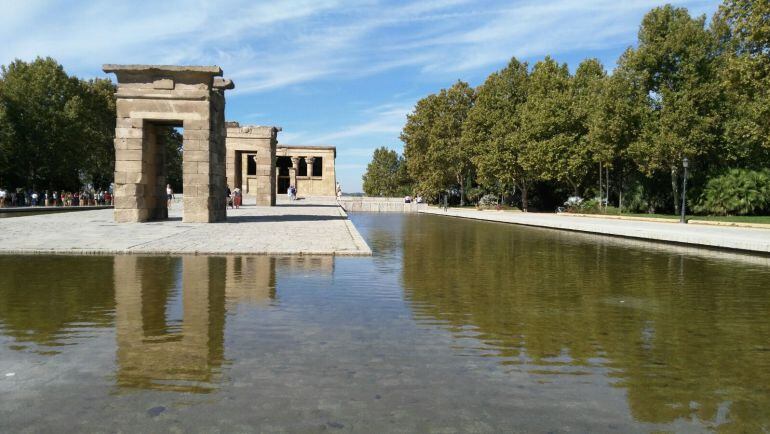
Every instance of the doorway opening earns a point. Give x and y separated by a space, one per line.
163 147
282 171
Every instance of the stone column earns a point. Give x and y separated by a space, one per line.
244 173
293 171
309 162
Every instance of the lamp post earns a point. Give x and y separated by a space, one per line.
685 164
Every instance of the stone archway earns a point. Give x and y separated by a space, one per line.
191 97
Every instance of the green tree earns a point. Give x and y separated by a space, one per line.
551 129
171 140
492 131
56 131
616 122
386 174
95 124
436 156
675 63
39 106
743 28
587 84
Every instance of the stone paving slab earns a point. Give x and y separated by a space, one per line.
289 229
733 238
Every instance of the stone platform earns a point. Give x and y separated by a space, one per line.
299 228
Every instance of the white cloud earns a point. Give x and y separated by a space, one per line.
388 120
270 45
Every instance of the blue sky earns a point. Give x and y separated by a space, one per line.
329 72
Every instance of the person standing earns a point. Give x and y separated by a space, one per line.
3 193
339 191
169 195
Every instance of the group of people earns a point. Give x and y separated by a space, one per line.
409 199
21 197
234 197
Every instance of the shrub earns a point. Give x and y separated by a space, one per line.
579 205
488 201
474 194
737 192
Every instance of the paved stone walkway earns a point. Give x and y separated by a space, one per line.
734 238
300 228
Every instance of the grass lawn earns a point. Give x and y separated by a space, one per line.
733 219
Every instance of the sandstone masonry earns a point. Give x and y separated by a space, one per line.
151 96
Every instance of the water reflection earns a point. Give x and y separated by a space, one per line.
453 325
250 279
158 348
46 303
687 337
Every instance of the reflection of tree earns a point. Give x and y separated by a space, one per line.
683 335
41 297
152 353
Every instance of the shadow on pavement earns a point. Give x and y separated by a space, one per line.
283 218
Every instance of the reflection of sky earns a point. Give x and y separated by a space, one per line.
327 71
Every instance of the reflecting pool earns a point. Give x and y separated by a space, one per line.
452 325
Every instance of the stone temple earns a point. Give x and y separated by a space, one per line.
216 155
261 167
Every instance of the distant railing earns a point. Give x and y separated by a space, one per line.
379 204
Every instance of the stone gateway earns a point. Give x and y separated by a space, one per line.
149 96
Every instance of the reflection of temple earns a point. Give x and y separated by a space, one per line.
170 315
250 279
155 349
316 265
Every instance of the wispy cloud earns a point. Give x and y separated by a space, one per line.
388 120
272 45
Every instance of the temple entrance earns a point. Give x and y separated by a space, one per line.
150 96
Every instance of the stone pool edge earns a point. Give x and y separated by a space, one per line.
755 241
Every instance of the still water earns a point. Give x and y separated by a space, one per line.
452 326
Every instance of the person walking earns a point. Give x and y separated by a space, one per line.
3 194
237 197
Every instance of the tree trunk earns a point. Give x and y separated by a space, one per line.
524 199
607 181
574 186
675 188
600 184
462 189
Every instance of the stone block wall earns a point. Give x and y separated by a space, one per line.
308 185
259 143
150 96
